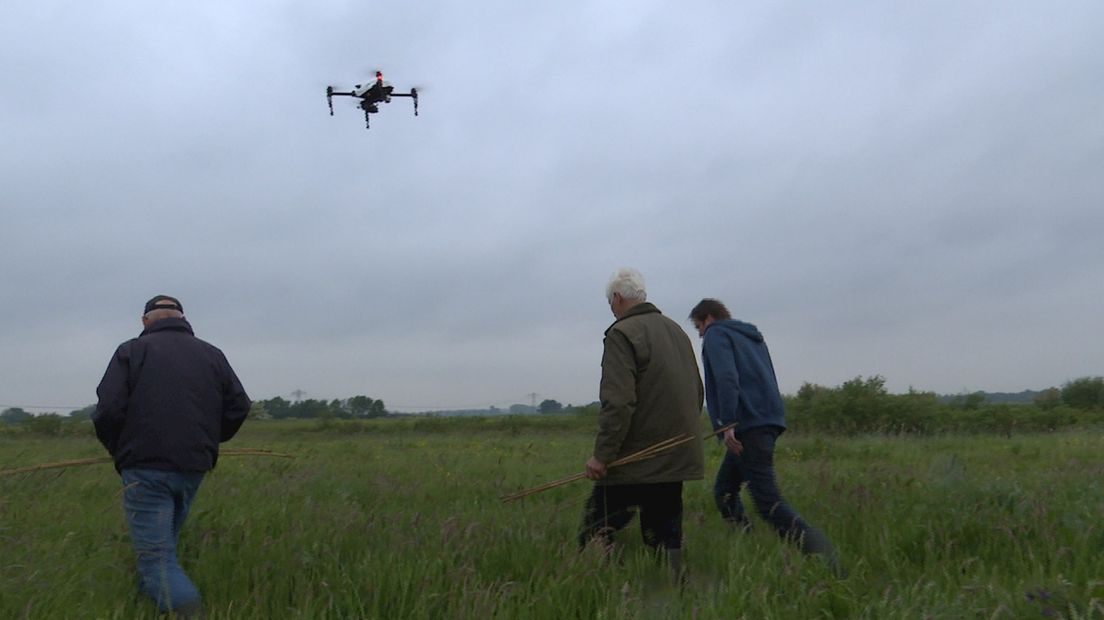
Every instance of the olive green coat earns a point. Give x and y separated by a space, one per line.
650 391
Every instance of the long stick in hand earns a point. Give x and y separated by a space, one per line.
646 453
108 459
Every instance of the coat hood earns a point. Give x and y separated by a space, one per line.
746 330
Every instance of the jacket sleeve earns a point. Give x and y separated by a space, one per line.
617 394
235 404
721 358
113 395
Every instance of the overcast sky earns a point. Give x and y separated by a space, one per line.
914 190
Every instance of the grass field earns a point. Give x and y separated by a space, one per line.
401 519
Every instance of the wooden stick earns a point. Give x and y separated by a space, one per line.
633 459
71 463
108 459
640 455
651 450
646 453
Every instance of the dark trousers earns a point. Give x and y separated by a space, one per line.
611 507
755 467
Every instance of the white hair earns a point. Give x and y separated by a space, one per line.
628 283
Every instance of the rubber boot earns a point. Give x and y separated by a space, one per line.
814 542
674 565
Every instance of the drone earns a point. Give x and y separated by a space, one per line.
371 95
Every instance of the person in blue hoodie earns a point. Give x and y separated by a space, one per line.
741 388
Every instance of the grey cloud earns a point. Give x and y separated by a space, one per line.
905 190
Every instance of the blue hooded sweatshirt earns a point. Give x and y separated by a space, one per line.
740 385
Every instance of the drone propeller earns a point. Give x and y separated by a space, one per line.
329 98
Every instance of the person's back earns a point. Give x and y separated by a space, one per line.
166 401
667 397
177 389
733 350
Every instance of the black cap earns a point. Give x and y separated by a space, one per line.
163 302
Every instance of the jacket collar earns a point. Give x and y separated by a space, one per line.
170 324
638 309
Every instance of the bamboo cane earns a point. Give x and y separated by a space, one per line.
648 452
108 459
640 455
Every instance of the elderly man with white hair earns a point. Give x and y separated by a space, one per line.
650 391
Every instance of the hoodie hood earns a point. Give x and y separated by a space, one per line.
746 330
740 384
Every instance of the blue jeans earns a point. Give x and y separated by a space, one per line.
755 467
156 503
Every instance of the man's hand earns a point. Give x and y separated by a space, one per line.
595 469
734 446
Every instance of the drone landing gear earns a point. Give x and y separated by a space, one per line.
369 108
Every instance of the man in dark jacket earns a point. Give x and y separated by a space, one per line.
650 391
741 388
165 403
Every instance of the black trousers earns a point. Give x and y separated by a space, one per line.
611 507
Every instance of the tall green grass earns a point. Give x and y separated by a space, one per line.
401 519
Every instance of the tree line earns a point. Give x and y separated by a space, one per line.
356 407
864 406
345 409
861 405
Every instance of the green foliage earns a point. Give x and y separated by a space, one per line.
14 415
84 413
1049 399
45 424
863 406
856 406
360 406
259 411
356 407
550 406
398 425
378 410
969 402
1084 393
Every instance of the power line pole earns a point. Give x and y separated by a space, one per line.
533 400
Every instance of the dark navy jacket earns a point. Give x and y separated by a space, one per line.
740 385
167 400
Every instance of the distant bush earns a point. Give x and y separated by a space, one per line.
45 424
508 424
1084 393
14 415
1049 398
863 406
